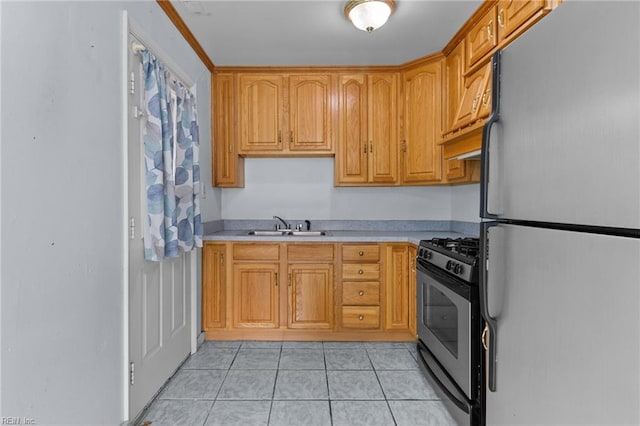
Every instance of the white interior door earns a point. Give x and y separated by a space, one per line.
159 292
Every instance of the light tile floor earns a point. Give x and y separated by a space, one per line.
299 383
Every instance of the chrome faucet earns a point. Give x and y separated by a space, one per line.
286 224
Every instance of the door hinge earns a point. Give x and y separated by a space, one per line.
132 373
132 83
137 112
132 228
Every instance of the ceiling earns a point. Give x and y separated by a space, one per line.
316 32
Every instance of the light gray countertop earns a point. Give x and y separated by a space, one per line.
338 236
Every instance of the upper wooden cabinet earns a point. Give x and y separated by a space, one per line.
310 118
422 129
455 68
285 114
367 129
261 112
228 167
482 38
515 17
475 100
386 125
501 24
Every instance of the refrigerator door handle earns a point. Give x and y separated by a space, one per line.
486 136
491 323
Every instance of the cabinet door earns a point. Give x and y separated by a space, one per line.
485 96
413 251
397 287
351 158
513 14
310 113
228 170
422 125
213 285
255 295
472 100
310 296
454 169
454 74
482 38
383 128
261 112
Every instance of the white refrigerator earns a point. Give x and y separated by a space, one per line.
560 231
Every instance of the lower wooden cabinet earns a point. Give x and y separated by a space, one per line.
255 295
360 283
270 290
214 273
364 317
310 286
397 287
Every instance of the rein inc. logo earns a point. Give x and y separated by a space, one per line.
17 421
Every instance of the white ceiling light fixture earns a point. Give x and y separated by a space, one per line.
369 15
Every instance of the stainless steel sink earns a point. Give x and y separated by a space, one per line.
285 233
309 233
269 233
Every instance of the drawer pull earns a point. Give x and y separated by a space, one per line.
361 253
360 271
360 317
361 293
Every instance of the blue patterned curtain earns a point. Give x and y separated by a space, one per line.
171 163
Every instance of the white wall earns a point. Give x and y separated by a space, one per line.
465 203
61 213
303 188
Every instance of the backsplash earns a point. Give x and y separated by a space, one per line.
469 228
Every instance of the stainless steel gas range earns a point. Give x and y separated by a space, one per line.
450 325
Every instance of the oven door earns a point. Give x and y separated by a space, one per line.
444 324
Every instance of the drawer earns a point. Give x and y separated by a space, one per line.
309 252
361 271
361 293
361 317
253 251
361 253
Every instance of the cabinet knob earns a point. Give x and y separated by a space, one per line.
361 293
361 253
360 317
360 272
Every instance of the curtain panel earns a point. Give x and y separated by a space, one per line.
171 149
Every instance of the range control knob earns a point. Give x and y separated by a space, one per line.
428 254
421 253
458 269
449 265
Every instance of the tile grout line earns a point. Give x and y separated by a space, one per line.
215 399
375 371
326 378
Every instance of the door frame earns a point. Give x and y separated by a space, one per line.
129 25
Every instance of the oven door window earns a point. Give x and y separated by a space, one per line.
441 317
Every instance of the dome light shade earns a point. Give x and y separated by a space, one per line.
369 15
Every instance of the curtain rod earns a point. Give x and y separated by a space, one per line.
138 47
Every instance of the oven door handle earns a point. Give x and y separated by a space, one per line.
463 405
491 322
